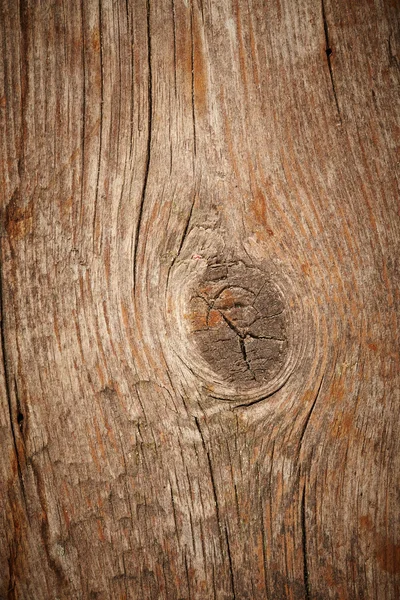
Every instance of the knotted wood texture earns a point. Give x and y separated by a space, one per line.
199 300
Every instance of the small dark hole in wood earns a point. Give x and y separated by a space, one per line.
328 51
20 418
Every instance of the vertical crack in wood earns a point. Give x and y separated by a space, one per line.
242 345
193 99
20 415
7 385
328 52
264 547
11 573
192 58
262 525
174 511
217 509
185 231
125 577
304 544
210 468
45 531
24 79
174 36
303 498
148 150
303 431
212 479
230 563
83 133
187 576
101 122
393 60
129 24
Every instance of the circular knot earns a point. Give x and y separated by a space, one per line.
238 324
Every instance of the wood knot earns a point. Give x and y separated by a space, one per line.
238 323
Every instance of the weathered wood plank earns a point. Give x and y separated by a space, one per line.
199 299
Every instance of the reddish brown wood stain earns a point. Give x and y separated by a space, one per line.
19 218
387 553
259 209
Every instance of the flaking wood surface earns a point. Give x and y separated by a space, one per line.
199 299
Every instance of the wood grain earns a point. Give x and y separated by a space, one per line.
149 151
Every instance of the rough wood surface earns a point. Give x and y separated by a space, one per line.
199 299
